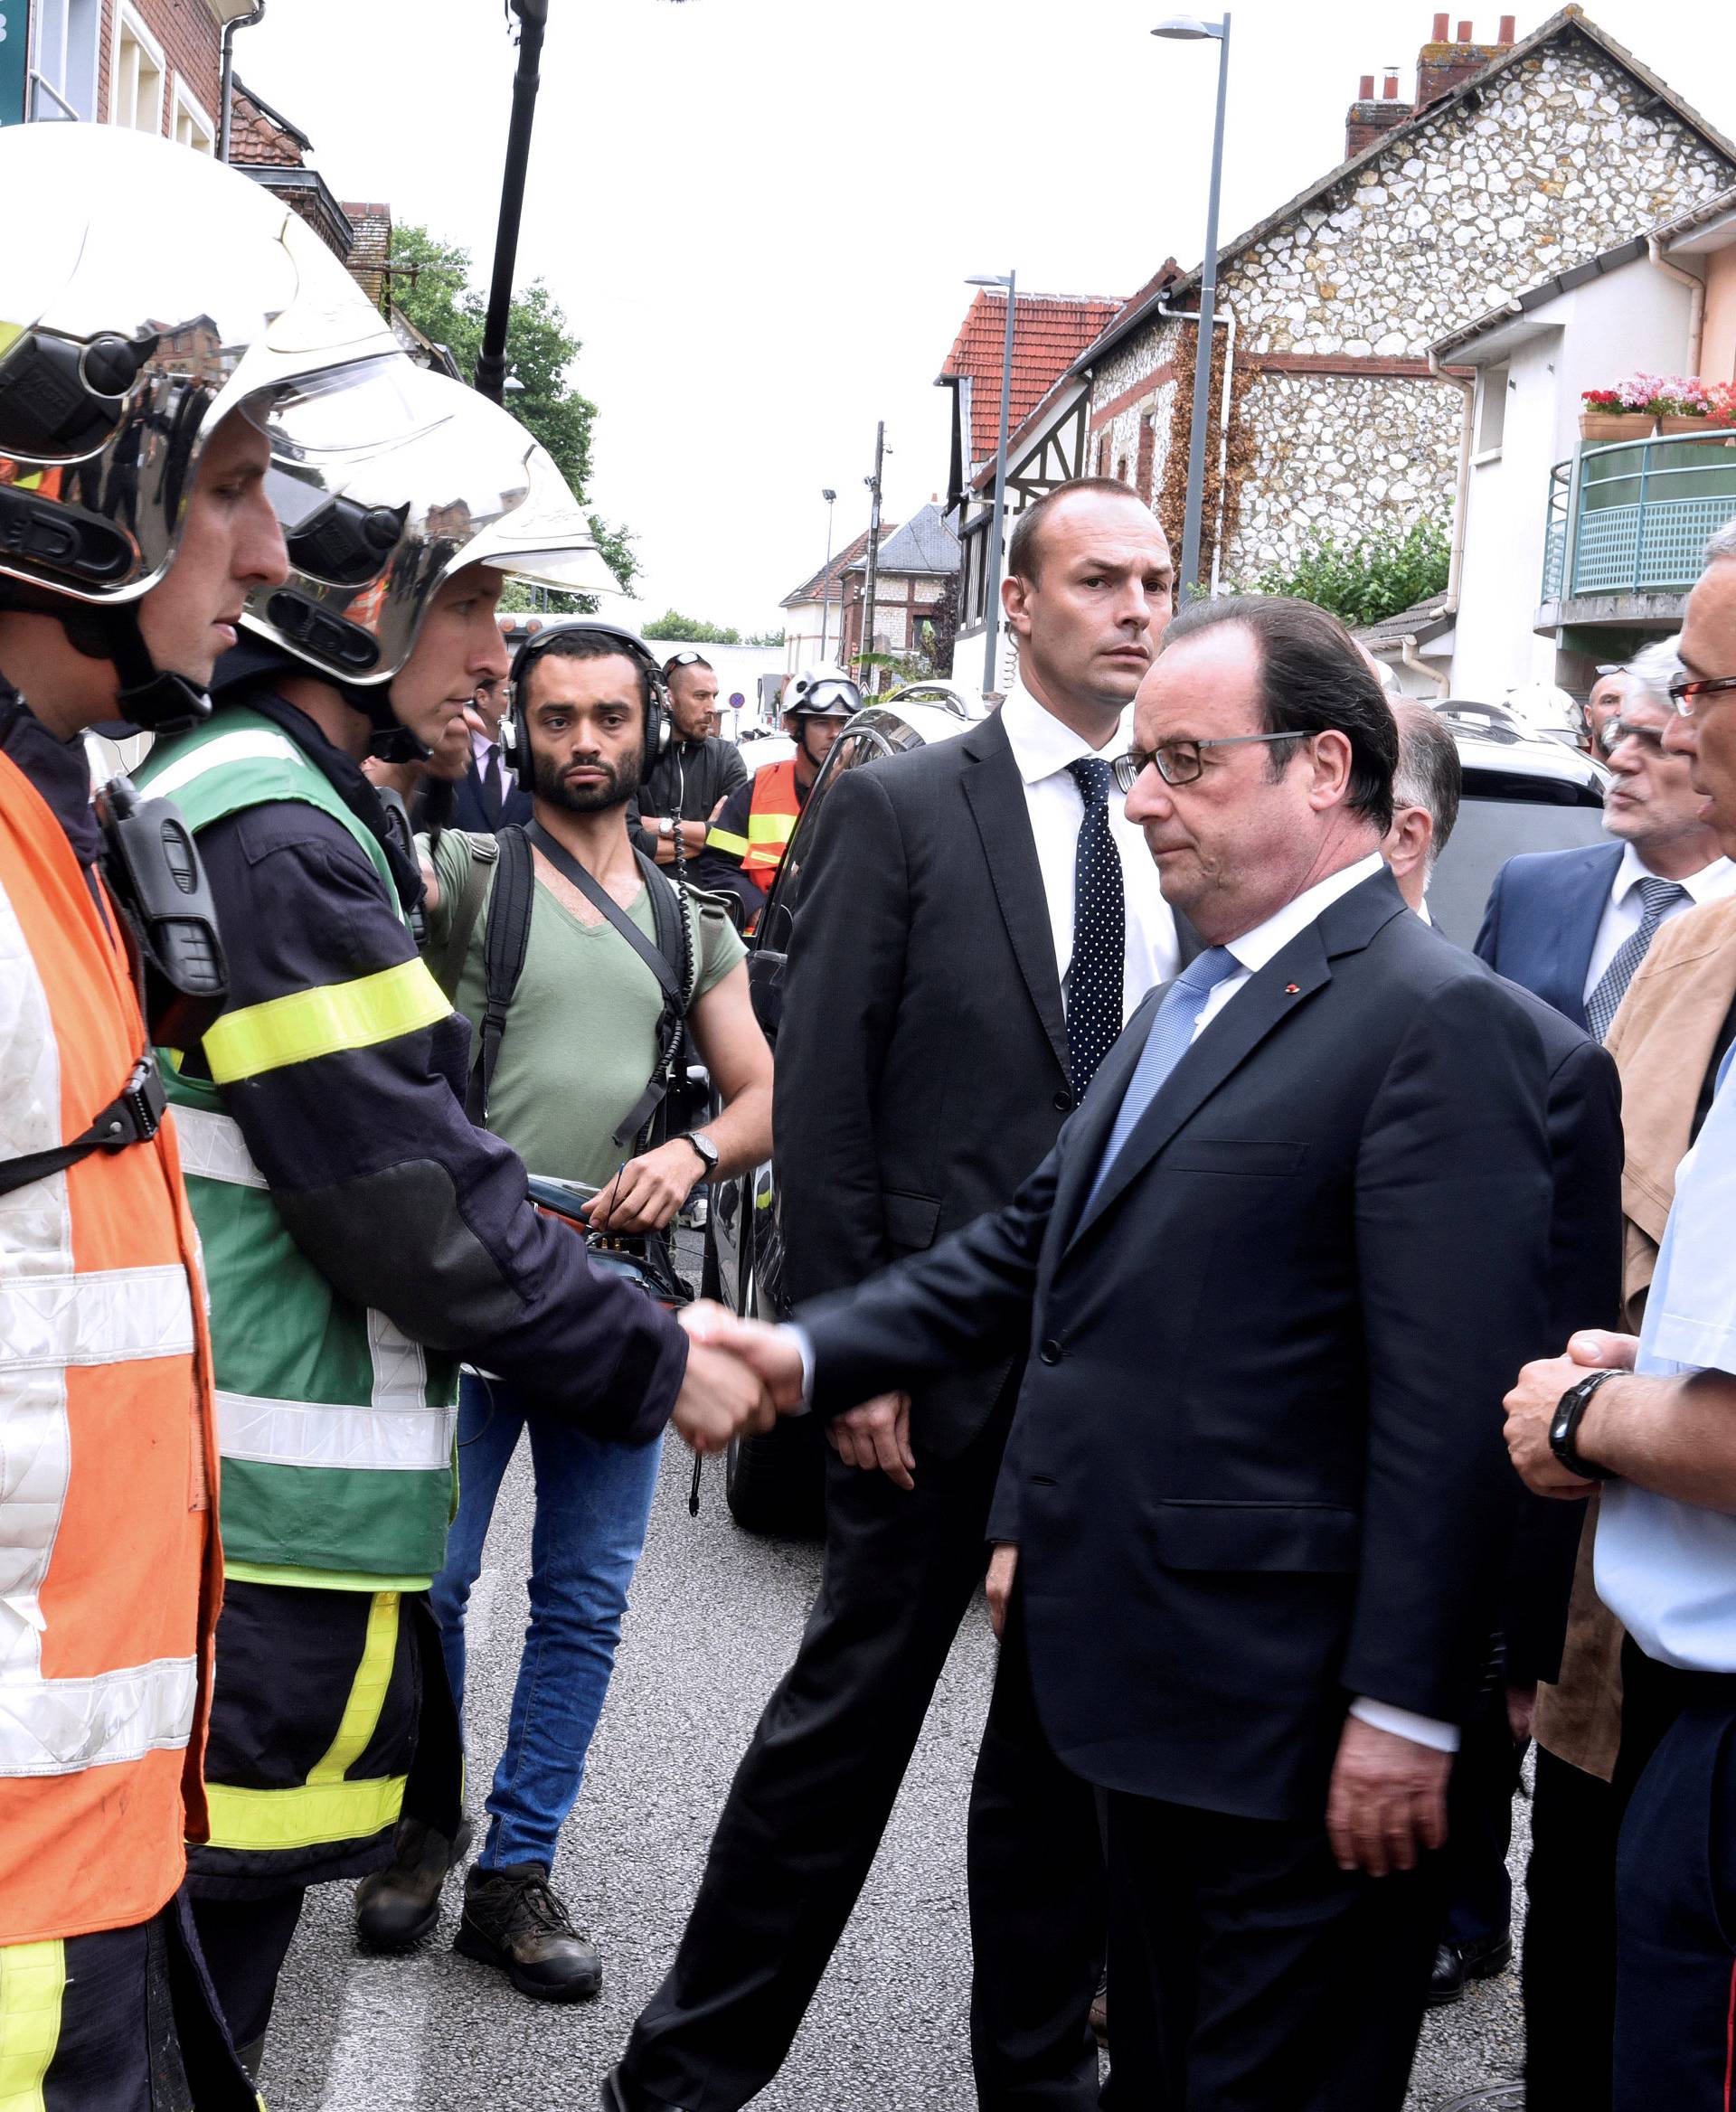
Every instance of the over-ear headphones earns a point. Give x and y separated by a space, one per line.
515 744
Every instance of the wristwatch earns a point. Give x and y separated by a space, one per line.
1565 1427
706 1149
667 827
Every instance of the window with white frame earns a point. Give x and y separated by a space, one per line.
135 75
63 64
188 124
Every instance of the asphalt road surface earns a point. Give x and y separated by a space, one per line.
714 1620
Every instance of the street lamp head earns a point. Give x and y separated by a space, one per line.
989 279
828 497
1187 29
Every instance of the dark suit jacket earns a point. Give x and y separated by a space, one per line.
1585 1249
1257 1453
470 810
922 1055
1542 921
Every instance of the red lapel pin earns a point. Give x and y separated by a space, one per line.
1292 989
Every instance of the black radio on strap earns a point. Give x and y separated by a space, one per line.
134 1117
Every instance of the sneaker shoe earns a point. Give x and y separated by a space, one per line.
397 1907
512 1920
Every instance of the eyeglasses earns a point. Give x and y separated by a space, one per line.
1687 690
1178 762
683 660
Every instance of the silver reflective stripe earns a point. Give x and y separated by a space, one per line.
58 1726
212 1148
249 747
312 1433
50 1317
101 1316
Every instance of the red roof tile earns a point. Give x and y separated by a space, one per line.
1049 333
823 581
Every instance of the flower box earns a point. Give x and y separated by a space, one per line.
1618 425
1680 422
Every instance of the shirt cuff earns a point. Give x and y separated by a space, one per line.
1442 1737
803 1341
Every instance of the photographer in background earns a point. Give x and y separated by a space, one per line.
593 1023
697 771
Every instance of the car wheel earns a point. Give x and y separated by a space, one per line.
775 1484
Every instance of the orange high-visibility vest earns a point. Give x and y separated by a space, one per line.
110 1574
771 821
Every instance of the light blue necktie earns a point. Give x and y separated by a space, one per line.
1167 1042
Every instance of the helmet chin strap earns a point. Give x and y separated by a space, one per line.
149 698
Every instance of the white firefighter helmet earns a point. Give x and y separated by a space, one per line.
822 693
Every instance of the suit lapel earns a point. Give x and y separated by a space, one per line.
1261 1007
1584 897
996 800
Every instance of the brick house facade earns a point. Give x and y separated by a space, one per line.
1519 159
155 65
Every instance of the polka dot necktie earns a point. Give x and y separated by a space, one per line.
1100 930
1659 897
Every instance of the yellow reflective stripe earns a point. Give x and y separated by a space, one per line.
320 1579
303 1818
367 1696
721 840
323 1022
32 1980
771 828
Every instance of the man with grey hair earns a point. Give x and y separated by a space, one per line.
1584 1115
1573 926
1653 1417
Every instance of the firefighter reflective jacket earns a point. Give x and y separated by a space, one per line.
336 1429
772 815
109 1571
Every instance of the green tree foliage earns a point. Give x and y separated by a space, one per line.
689 631
445 306
765 638
1365 578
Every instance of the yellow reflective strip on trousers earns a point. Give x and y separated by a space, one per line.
367 1696
308 1024
721 840
322 1812
771 828
32 1980
325 1807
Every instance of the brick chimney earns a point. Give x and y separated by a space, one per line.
1370 115
1443 65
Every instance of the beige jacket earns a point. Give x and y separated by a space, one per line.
1662 1039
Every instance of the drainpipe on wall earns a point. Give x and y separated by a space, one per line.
1696 299
1408 657
1228 320
1456 564
227 97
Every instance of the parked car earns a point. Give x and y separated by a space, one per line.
1522 792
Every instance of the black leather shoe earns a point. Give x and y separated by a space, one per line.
1456 1964
514 1921
397 1907
621 2094
1447 1980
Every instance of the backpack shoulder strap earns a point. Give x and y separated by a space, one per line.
668 910
484 855
508 937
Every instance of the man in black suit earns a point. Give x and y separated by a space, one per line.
1585 1140
1271 1271
488 798
978 919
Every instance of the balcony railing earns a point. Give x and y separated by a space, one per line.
1633 517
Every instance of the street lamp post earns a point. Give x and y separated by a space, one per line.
831 498
491 360
1188 28
992 578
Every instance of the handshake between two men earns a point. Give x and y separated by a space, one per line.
742 1375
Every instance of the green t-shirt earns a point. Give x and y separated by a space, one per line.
582 1037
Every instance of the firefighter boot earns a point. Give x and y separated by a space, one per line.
396 1907
512 1920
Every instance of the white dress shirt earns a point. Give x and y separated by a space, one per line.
1626 908
1253 950
1042 750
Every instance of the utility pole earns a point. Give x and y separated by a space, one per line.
491 362
831 498
873 548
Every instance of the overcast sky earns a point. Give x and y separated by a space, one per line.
758 213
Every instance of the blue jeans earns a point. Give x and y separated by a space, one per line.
592 1502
